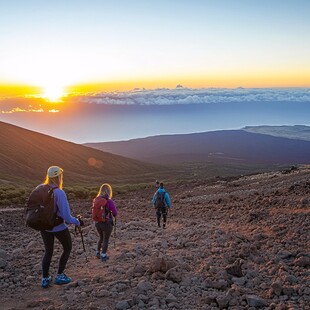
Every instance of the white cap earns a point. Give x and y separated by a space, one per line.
54 171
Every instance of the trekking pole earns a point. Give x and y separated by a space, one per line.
80 230
82 238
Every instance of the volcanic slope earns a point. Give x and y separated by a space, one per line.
26 154
223 146
237 243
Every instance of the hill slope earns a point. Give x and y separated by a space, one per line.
229 146
27 155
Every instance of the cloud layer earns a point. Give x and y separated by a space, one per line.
182 95
178 96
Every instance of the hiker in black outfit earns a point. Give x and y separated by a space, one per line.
161 202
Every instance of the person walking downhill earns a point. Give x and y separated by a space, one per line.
103 210
161 203
54 179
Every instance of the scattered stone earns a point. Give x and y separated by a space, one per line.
277 288
121 305
256 301
235 269
170 298
161 263
3 254
144 286
175 274
3 263
303 261
239 281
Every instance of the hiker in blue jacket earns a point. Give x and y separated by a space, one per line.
161 203
54 179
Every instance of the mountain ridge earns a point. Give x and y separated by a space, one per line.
27 154
222 146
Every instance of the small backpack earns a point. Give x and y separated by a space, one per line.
39 209
99 210
160 200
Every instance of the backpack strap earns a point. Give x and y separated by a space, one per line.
59 219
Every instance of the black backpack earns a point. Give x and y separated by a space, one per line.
39 209
160 200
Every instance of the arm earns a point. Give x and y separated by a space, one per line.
167 200
154 199
112 207
63 209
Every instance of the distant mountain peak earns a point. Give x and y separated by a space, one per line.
298 132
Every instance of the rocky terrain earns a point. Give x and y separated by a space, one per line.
234 243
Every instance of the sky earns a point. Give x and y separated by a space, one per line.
126 44
64 58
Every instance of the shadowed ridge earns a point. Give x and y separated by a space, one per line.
226 146
27 154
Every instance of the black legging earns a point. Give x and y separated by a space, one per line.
161 211
104 229
64 238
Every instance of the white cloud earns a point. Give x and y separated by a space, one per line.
164 96
183 95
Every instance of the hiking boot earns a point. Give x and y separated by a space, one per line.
97 254
46 281
164 226
104 258
62 279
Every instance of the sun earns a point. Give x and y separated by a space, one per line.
53 93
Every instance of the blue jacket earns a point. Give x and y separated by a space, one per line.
63 210
167 198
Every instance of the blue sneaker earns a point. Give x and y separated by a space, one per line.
62 279
46 281
104 258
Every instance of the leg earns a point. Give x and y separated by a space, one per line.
107 233
64 238
158 214
100 232
164 211
48 240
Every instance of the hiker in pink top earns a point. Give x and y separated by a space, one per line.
103 211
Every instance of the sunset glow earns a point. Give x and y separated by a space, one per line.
253 44
53 93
